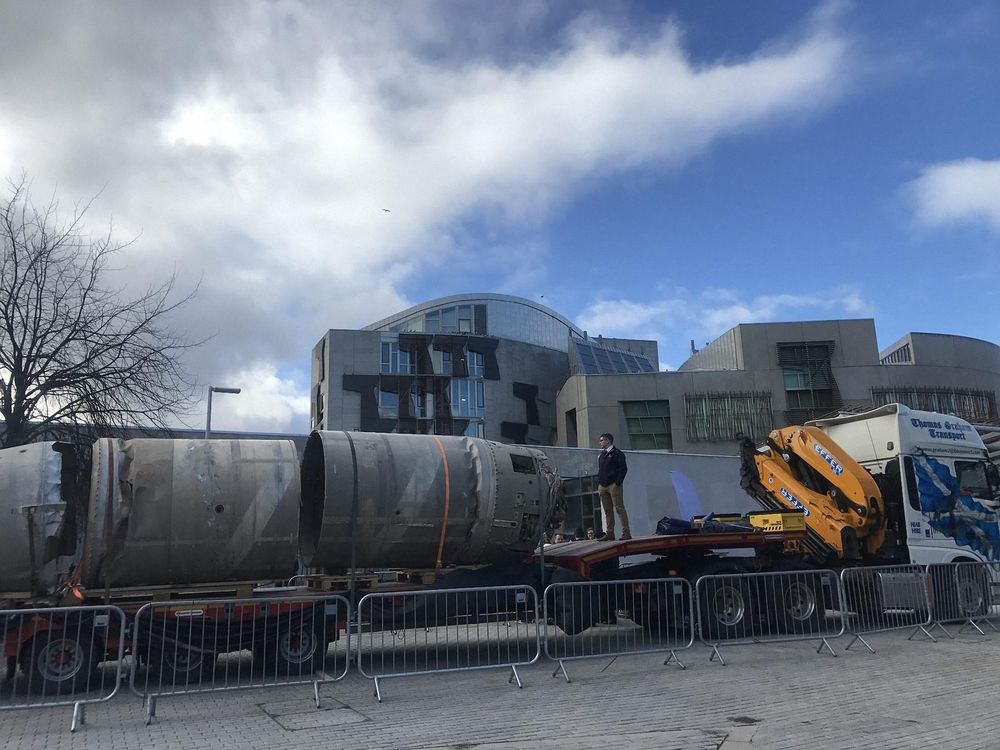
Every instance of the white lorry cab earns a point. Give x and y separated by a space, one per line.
938 485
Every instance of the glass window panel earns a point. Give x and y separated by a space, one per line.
603 361
432 322
658 408
449 319
388 404
634 408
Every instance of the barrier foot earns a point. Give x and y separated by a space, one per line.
990 623
561 668
829 648
316 693
715 652
150 709
79 716
378 692
943 629
855 640
925 631
973 624
514 677
673 657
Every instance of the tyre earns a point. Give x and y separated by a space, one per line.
300 646
798 606
973 591
60 662
572 609
959 591
178 663
724 609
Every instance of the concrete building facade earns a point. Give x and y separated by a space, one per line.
483 365
761 375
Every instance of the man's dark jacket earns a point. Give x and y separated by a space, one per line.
611 467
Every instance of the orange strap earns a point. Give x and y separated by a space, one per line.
447 500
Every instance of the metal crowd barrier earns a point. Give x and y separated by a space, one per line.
447 630
882 598
635 616
210 645
743 608
965 592
61 656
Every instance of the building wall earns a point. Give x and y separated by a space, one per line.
519 392
942 364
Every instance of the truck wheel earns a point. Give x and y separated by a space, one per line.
798 605
973 591
724 608
177 663
58 663
299 648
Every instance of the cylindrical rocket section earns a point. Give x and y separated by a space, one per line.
376 499
191 511
35 553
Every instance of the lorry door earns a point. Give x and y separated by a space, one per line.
950 507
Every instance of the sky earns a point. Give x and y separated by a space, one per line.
654 170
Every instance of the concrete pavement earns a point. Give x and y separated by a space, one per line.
910 694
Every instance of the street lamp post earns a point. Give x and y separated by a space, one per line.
208 417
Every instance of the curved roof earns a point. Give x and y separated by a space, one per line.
508 317
467 299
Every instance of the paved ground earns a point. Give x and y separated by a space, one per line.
910 694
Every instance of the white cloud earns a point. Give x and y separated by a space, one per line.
958 192
254 146
702 316
266 403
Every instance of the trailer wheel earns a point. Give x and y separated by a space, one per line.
798 607
177 663
300 644
725 609
57 662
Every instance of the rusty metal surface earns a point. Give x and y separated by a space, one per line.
379 499
31 518
191 511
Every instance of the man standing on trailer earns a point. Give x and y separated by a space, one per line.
611 471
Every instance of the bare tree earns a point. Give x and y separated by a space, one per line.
75 354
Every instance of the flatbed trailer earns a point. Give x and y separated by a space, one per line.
585 557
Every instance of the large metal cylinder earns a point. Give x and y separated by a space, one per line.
191 511
33 503
377 500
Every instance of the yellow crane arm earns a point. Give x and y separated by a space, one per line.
802 467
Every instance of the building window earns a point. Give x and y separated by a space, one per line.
648 424
465 318
810 389
971 405
467 398
475 362
422 405
388 404
396 361
319 407
583 506
475 429
441 361
900 356
728 416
